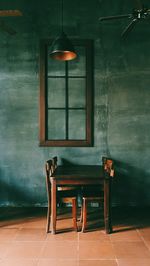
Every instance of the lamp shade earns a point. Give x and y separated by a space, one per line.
62 49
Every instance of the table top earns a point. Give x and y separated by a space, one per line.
77 174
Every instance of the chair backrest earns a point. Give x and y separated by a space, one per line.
49 167
108 166
54 163
49 171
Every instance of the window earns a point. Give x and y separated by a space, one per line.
66 97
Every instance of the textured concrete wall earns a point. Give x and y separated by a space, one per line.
121 104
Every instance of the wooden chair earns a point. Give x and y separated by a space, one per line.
96 194
67 195
62 188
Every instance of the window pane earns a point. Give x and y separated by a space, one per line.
77 66
65 97
77 124
77 95
55 67
56 124
56 92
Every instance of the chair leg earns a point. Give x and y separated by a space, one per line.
48 219
81 213
84 214
74 213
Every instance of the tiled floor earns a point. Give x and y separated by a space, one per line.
23 241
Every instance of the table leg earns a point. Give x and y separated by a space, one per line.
53 206
107 205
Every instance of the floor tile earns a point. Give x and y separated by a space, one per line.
127 235
18 262
94 235
59 236
147 243
11 217
4 246
30 234
98 263
134 262
131 250
24 241
60 250
96 250
8 234
124 227
145 233
64 225
57 262
17 224
24 250
35 223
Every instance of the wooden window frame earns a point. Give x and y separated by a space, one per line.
44 141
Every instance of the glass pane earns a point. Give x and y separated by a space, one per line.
77 124
55 67
77 67
56 124
56 92
77 95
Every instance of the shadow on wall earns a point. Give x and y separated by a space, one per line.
12 194
130 186
66 162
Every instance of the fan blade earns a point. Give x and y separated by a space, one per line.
129 27
10 13
115 17
6 28
138 4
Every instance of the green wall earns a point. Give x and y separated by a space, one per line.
121 98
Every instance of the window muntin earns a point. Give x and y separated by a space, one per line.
66 95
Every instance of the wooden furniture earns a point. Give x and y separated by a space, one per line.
80 175
98 193
62 188
69 195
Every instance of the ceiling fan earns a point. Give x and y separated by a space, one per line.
9 13
139 13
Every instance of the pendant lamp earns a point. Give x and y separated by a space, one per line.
62 49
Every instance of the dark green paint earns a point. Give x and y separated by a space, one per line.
122 99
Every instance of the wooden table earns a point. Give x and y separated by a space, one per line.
80 175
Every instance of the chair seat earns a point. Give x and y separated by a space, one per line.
66 196
67 193
64 188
